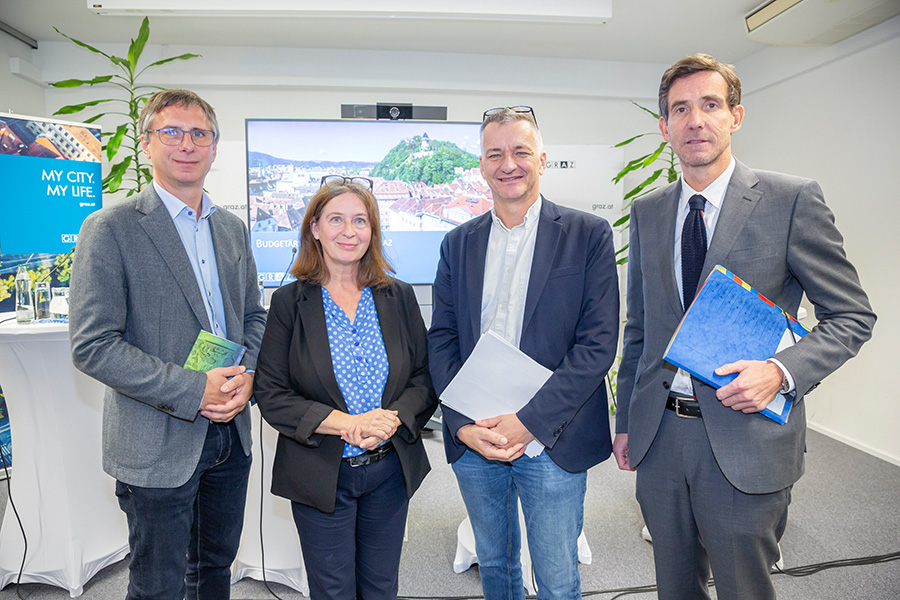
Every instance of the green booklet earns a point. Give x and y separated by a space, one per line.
211 351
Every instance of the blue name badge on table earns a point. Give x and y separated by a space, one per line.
730 321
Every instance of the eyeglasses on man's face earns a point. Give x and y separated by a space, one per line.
525 110
341 180
172 136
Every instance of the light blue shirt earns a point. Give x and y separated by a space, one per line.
358 356
198 244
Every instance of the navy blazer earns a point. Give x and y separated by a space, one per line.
296 389
570 326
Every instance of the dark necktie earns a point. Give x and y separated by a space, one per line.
693 249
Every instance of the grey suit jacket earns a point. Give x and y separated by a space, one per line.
135 311
776 233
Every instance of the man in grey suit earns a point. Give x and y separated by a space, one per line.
150 273
713 478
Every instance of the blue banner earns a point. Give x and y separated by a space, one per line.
44 202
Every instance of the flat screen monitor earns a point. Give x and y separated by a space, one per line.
425 173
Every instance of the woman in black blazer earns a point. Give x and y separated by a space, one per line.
343 376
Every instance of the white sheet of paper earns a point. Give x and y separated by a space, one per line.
497 379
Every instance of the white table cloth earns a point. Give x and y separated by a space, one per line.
66 502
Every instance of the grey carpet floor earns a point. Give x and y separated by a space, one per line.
846 506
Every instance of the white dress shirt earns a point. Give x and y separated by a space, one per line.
715 197
507 271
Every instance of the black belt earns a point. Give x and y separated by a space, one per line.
371 456
684 406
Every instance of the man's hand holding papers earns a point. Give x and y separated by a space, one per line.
496 381
489 443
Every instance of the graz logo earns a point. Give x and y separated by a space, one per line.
69 238
560 164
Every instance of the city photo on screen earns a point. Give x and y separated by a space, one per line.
425 174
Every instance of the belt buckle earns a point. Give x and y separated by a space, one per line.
678 412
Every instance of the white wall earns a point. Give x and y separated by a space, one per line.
576 102
18 95
834 118
823 113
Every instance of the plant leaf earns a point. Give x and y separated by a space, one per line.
652 157
113 181
672 175
82 44
112 146
71 83
621 220
122 62
137 45
633 165
646 110
187 56
74 108
629 140
643 184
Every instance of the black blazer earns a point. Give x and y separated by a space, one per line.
296 389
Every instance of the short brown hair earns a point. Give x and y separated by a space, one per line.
186 98
697 63
310 264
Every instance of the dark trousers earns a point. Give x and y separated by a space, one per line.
354 553
183 540
700 522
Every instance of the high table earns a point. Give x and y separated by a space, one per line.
66 502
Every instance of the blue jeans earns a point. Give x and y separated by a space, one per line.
183 540
553 504
354 553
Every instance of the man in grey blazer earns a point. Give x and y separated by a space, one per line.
713 478
150 273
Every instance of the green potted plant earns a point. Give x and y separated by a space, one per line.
661 160
129 173
652 166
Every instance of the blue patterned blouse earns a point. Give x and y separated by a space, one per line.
358 355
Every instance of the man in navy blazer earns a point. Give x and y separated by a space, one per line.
544 278
713 478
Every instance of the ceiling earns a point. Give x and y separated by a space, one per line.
653 31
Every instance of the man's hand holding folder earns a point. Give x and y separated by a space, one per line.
757 384
726 338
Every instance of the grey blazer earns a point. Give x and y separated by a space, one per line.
135 311
776 233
